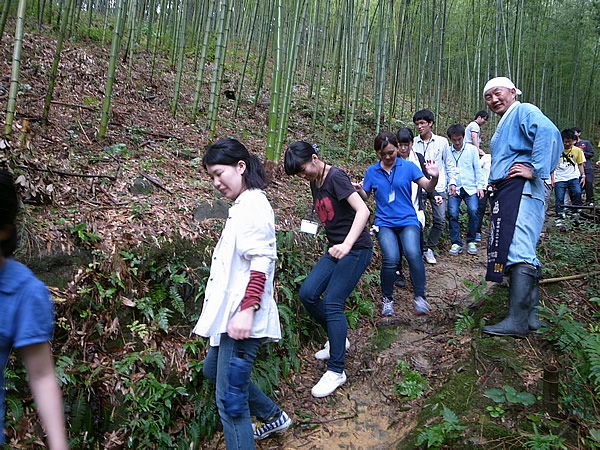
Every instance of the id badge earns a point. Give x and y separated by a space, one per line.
308 226
392 196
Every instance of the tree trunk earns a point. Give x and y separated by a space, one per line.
14 73
112 65
55 62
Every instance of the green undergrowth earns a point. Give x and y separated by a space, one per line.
128 365
472 408
484 400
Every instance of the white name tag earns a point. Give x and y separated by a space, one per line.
392 196
308 226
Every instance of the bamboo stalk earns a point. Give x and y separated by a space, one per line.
5 9
181 42
570 277
200 74
240 85
14 73
275 88
357 77
219 64
112 65
289 82
54 69
320 65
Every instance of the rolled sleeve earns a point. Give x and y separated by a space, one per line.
256 241
34 321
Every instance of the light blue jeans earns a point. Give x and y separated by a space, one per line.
528 227
333 279
238 431
410 238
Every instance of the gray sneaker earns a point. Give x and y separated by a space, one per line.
421 306
455 249
472 248
387 309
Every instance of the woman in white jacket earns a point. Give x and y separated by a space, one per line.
239 311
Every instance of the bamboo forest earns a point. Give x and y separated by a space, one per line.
110 109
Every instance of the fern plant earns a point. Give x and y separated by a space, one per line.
545 441
580 355
411 384
437 435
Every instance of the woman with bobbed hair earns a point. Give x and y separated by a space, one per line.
239 311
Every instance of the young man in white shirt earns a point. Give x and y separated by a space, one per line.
469 188
435 148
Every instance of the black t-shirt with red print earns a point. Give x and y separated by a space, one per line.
334 211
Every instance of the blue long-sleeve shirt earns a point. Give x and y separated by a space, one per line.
468 171
524 135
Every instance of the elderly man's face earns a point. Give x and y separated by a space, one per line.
499 99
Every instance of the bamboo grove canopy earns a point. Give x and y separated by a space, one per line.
379 58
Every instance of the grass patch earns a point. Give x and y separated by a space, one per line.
383 337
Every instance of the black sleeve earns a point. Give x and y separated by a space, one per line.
341 184
422 163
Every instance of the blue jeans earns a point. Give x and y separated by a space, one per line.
238 431
333 279
472 202
438 219
410 238
560 188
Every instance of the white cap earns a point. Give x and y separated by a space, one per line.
500 82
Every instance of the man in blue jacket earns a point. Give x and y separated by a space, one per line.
525 148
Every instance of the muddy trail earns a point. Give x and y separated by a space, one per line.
364 413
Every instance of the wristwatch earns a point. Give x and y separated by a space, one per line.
256 306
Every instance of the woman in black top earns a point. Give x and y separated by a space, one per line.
324 291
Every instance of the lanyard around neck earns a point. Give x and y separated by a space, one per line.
460 154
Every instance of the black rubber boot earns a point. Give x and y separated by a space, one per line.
523 278
534 300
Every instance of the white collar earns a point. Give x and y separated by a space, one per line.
510 109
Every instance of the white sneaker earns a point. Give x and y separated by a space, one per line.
429 257
328 383
324 353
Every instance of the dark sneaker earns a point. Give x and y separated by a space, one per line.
400 281
264 430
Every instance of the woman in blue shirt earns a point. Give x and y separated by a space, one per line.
26 324
390 180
